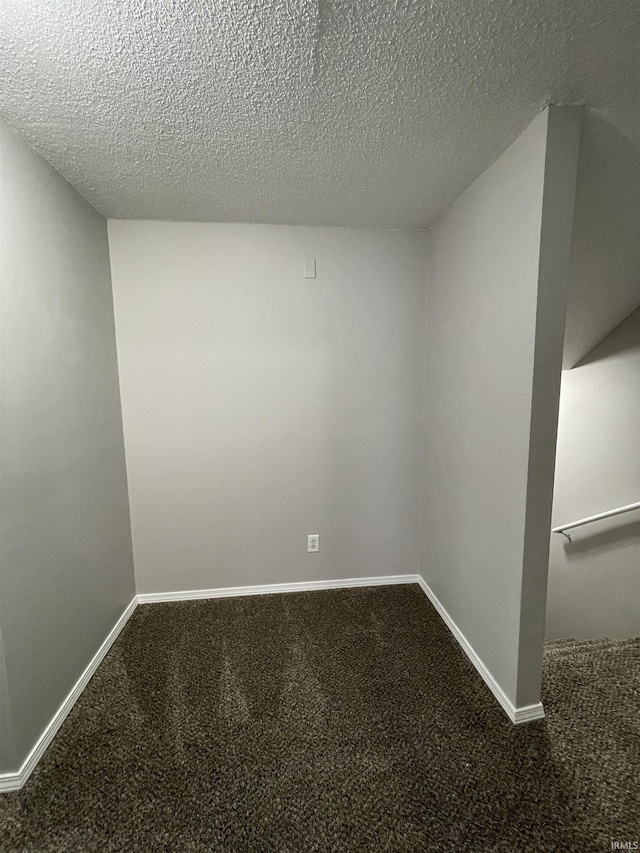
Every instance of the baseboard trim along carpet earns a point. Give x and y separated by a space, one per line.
271 588
525 713
15 781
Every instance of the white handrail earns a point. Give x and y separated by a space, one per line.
597 517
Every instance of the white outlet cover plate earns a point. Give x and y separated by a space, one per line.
313 539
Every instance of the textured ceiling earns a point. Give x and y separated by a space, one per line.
346 112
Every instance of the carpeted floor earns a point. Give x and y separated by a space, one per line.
345 720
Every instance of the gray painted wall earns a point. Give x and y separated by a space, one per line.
66 571
498 275
594 581
604 281
260 406
7 734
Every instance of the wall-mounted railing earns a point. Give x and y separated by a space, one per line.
608 514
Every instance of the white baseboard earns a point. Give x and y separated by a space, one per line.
271 588
525 713
528 713
15 781
516 715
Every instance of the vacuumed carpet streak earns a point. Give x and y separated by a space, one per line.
340 720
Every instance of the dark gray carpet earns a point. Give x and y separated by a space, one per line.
343 720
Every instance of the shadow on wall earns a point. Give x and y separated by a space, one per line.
604 284
594 581
601 542
624 341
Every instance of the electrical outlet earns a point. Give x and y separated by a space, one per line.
313 543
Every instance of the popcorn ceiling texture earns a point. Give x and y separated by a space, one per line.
301 111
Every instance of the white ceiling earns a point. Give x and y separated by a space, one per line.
333 112
344 112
